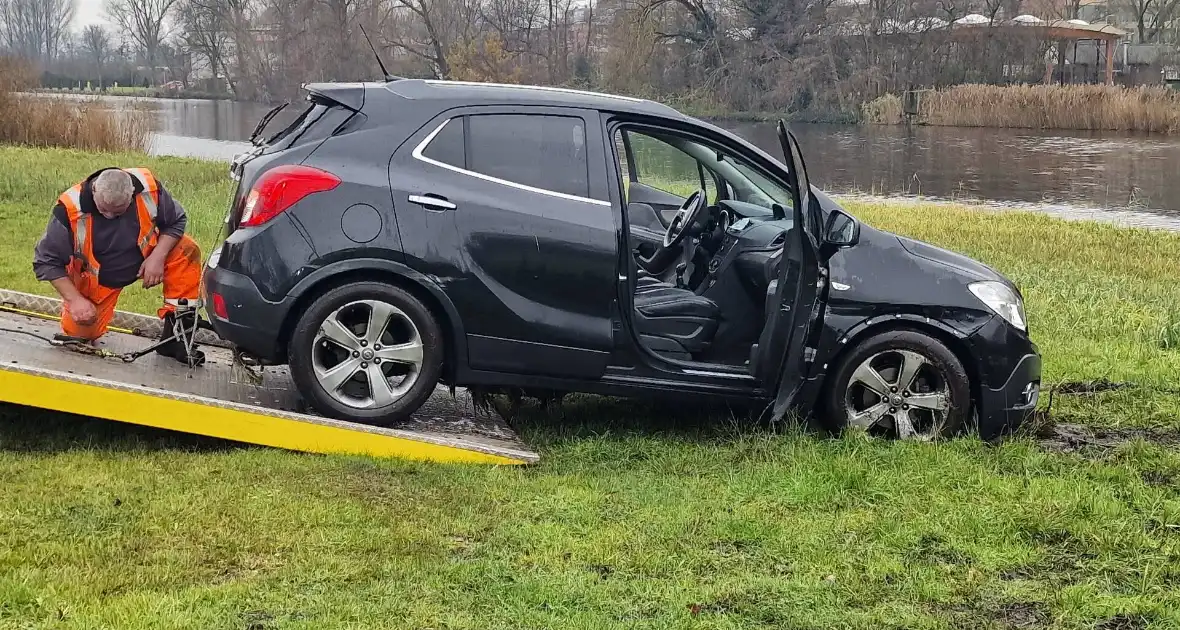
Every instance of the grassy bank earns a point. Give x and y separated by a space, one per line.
50 122
637 517
1093 107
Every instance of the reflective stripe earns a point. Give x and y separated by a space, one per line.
75 196
146 241
149 202
72 200
80 233
150 190
146 206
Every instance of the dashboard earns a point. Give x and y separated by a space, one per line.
748 242
732 212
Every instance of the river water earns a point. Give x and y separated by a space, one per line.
1123 177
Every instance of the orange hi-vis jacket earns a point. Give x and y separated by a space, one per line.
146 203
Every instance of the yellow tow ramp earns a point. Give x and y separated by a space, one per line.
218 401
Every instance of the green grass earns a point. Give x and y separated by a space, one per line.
637 517
1102 300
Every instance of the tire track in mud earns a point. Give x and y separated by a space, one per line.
1068 437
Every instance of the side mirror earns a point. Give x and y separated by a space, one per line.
841 230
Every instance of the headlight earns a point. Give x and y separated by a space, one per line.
1003 300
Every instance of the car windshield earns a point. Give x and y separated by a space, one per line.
759 189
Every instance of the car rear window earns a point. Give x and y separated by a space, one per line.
312 110
316 122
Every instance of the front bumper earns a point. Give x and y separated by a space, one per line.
250 321
1010 378
1006 408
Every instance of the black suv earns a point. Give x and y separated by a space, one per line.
405 233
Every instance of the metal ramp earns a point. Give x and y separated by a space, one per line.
218 401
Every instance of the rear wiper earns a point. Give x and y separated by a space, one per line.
266 118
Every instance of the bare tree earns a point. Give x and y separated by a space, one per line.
96 43
752 55
428 29
1152 16
35 28
207 30
56 16
416 31
144 21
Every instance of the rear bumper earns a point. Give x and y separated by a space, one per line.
251 322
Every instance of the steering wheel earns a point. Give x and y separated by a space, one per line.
688 214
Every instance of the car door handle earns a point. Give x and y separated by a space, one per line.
432 202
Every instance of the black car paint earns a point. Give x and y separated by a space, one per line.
532 275
505 326
889 281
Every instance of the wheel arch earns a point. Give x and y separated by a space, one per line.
377 270
954 340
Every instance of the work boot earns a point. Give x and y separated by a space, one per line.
174 348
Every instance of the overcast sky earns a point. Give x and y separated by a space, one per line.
88 12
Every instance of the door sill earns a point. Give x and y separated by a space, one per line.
719 371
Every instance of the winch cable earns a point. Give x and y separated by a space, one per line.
180 332
19 311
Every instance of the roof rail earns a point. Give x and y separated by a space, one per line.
540 88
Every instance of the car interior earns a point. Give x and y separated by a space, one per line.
706 229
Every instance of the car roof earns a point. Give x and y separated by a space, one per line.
443 95
457 93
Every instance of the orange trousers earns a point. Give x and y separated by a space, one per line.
182 280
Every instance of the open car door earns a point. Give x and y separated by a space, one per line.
787 343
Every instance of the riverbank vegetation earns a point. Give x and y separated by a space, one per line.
1092 107
78 123
139 92
638 515
801 60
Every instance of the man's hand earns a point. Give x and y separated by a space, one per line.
82 311
152 270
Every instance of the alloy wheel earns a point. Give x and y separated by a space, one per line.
367 354
900 393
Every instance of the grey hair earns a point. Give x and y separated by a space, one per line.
113 189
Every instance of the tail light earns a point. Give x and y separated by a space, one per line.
282 187
219 308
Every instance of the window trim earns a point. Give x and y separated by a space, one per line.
417 154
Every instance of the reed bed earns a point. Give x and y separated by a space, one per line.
1096 107
48 121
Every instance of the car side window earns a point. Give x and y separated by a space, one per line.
447 145
540 151
672 163
662 166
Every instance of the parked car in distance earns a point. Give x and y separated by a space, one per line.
403 233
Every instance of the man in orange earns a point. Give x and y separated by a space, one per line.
111 229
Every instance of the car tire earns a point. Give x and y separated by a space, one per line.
940 382
311 344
